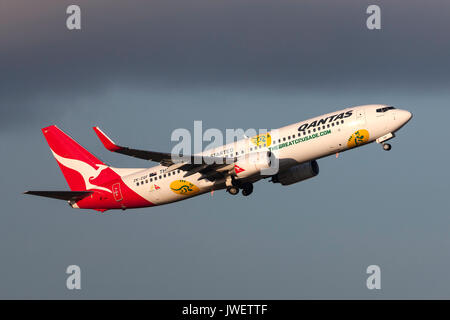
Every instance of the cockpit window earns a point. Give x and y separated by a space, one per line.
385 109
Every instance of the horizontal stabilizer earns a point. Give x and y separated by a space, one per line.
61 195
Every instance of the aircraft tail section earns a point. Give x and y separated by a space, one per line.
78 165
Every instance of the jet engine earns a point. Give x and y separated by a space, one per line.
297 173
251 164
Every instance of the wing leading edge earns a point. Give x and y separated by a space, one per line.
185 162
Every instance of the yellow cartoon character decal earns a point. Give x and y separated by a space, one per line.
358 138
184 187
262 139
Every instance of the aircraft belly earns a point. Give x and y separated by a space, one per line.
175 189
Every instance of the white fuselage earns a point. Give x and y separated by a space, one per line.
293 144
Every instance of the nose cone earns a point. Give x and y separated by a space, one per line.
404 116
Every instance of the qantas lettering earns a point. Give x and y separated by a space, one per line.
322 121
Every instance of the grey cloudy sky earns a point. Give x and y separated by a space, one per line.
142 69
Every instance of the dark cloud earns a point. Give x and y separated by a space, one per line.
306 44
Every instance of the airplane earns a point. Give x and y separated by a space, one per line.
297 147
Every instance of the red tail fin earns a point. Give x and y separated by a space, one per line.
77 164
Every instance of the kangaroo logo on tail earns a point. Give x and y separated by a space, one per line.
87 172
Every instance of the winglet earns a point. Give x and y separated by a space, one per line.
107 142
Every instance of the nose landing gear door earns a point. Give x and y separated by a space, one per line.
360 116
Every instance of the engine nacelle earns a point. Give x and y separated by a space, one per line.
297 173
251 164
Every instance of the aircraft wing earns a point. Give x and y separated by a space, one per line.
184 162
